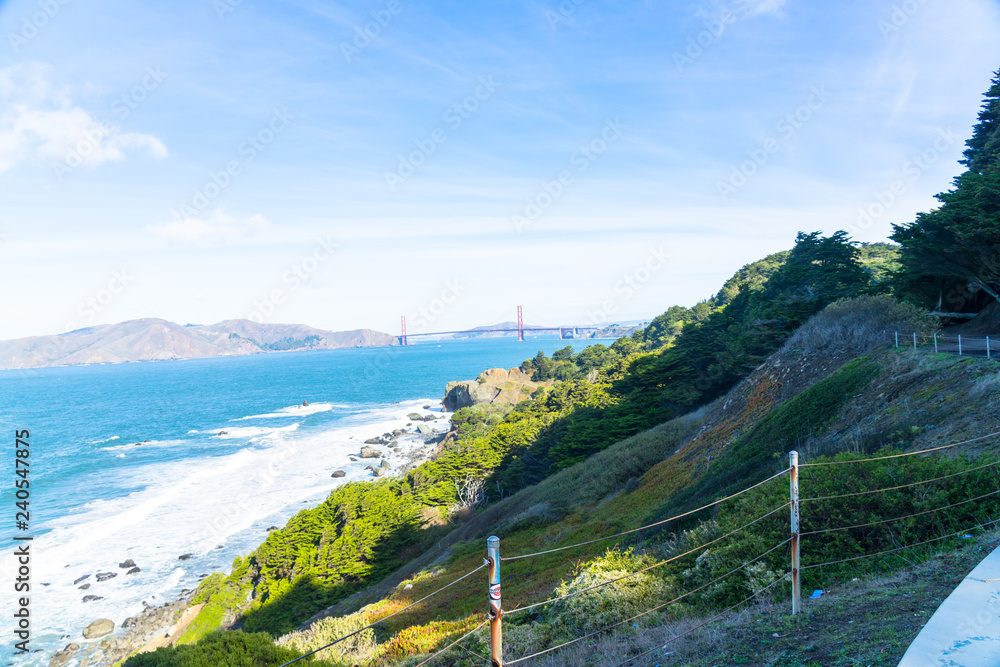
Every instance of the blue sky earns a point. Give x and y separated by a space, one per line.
593 161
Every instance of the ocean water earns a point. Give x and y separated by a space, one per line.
152 461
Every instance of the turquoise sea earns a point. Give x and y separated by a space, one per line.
153 461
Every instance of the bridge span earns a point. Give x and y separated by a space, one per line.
566 332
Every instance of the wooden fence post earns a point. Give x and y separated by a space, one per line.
793 460
495 610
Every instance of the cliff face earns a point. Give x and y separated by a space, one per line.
156 340
495 385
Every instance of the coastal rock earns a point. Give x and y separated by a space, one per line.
378 472
373 441
92 598
130 622
370 453
414 416
305 404
62 657
384 464
99 628
222 433
185 556
127 564
104 576
270 528
338 473
134 570
427 407
424 429
84 587
79 579
495 385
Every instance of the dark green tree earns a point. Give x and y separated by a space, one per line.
951 254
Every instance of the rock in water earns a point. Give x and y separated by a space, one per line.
370 453
134 570
424 429
104 576
338 473
373 441
414 416
185 556
305 404
99 628
91 598
79 579
84 587
384 464
127 564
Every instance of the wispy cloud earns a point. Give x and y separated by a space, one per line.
40 125
219 228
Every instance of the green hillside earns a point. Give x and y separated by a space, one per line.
791 353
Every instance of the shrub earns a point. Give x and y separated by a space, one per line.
858 325
614 602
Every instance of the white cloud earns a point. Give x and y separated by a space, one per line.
217 229
40 125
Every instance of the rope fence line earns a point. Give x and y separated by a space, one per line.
908 546
385 618
651 567
662 606
908 516
651 525
897 456
963 342
794 575
902 486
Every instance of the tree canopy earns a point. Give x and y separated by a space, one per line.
951 254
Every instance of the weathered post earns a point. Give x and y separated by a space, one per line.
495 611
914 340
959 344
793 460
897 339
935 343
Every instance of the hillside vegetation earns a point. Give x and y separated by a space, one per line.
791 353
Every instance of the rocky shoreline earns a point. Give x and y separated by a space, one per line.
409 447
106 644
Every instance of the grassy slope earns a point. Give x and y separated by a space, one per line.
898 399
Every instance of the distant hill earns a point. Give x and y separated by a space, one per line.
153 339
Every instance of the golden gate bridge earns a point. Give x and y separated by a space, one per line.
565 331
